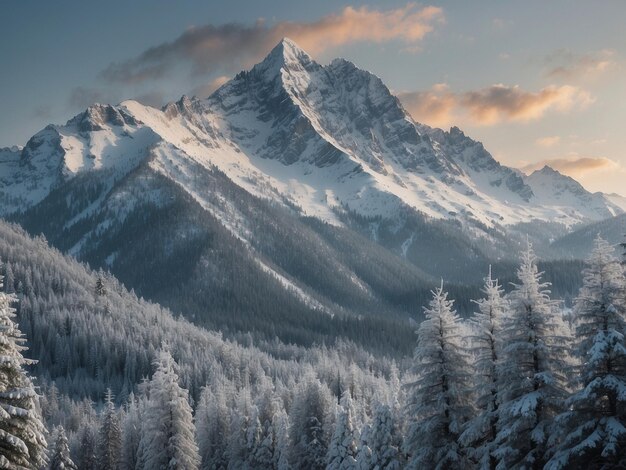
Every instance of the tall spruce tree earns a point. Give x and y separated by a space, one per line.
594 424
22 439
309 417
60 458
212 428
531 368
168 434
343 449
480 433
109 448
384 440
131 434
439 404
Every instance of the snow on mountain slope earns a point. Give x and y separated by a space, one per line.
555 189
323 138
617 199
333 137
103 138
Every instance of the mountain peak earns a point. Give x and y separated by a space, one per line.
548 170
285 55
289 46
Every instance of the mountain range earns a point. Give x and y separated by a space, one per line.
294 193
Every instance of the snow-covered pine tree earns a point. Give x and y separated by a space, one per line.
343 449
22 440
131 434
439 402
280 431
364 456
480 434
99 289
272 421
242 429
212 427
309 416
86 455
168 433
256 453
60 457
531 368
594 425
109 446
384 441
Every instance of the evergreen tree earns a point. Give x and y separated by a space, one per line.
384 441
131 434
100 290
531 367
343 450
594 425
242 428
309 417
86 456
480 433
439 402
168 430
22 441
364 456
110 437
212 428
60 458
280 431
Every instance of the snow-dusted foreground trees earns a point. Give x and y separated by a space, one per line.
523 383
594 422
543 396
440 398
22 440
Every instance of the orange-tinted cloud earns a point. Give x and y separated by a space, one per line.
228 47
434 107
549 141
205 90
500 102
491 105
409 24
574 166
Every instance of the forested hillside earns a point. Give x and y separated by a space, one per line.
116 372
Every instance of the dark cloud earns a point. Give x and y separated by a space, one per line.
43 111
228 47
566 65
81 97
155 99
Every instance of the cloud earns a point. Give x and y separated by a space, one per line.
575 166
81 97
568 66
228 47
500 102
155 99
42 111
550 141
434 107
491 105
205 90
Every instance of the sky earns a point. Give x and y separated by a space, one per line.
537 82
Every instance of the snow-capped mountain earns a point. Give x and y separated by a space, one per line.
325 138
289 175
555 189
